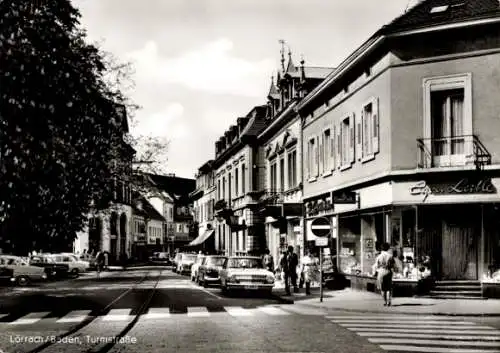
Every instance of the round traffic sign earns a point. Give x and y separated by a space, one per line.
321 227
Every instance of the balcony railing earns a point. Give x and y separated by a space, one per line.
452 151
272 197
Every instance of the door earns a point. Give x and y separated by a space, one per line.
460 247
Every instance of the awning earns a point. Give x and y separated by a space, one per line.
202 238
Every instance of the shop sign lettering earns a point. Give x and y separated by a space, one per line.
316 207
462 187
344 198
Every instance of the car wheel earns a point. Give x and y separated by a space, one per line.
75 272
205 284
23 281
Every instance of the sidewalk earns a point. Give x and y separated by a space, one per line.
368 302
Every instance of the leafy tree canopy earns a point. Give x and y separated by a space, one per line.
60 129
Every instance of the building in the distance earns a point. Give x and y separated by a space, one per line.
203 200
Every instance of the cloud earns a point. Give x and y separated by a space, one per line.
168 122
210 68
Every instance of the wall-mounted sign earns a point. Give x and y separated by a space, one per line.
321 205
345 197
462 187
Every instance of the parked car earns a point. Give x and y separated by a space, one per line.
160 258
185 263
23 272
208 272
52 269
247 273
6 276
196 266
84 264
90 259
75 267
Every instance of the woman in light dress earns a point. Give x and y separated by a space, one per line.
384 267
310 268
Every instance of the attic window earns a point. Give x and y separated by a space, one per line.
439 9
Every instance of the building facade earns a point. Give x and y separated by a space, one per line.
239 228
281 150
203 200
401 145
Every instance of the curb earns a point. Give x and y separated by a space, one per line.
403 312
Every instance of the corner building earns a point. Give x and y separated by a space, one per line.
401 144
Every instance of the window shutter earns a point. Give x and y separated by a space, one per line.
338 150
359 135
352 139
332 150
321 154
376 130
316 156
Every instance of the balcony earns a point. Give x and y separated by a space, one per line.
272 197
222 211
453 151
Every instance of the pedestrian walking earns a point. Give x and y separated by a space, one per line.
268 261
289 264
384 267
99 259
309 270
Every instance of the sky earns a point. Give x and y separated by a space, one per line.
201 64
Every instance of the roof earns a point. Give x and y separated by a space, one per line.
436 12
172 184
273 91
420 16
257 121
314 72
142 207
206 167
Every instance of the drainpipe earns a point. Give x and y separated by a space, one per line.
304 215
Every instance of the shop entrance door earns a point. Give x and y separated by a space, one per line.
460 247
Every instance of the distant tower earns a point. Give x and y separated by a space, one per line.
282 42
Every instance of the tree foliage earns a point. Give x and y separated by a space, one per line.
59 125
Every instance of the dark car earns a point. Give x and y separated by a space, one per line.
160 258
52 269
6 276
208 272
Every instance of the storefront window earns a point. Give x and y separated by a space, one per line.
350 245
492 244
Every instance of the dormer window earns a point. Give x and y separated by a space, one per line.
439 9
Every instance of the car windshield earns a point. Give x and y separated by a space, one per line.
244 262
188 257
215 261
15 261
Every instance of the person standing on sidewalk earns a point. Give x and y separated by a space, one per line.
268 261
309 269
289 264
384 266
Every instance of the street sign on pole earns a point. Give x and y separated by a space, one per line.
321 227
321 241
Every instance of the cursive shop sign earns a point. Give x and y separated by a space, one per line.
318 206
462 187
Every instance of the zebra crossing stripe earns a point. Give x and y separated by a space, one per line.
75 316
434 342
400 348
303 310
237 311
390 321
420 330
389 317
415 326
30 318
198 311
273 311
157 313
117 315
495 337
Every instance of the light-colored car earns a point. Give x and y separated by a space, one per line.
75 266
89 258
208 272
185 263
83 263
246 273
196 266
23 272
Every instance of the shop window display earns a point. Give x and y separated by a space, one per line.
492 244
350 246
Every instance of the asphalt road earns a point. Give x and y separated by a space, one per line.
159 311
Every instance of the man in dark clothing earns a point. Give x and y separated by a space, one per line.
289 265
